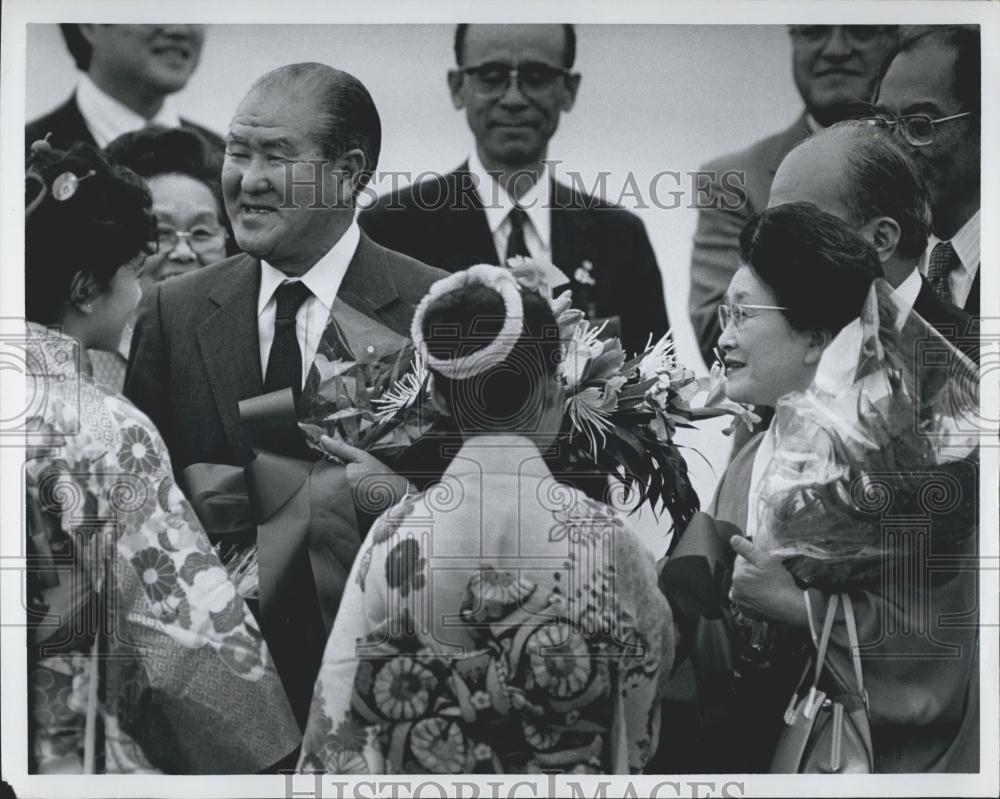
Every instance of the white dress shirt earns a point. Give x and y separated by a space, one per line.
536 202
107 118
966 244
907 292
323 280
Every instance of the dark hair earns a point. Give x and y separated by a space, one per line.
77 45
106 223
880 179
508 396
569 52
965 40
816 265
346 118
156 150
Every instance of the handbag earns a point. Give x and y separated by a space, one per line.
827 734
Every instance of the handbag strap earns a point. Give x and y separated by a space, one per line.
852 637
824 639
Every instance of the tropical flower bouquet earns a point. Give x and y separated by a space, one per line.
623 412
379 404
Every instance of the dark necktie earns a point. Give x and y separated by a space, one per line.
943 262
284 364
515 242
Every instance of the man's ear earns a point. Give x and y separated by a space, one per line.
818 341
347 171
455 78
571 88
83 289
883 233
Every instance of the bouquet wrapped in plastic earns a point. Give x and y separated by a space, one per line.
884 436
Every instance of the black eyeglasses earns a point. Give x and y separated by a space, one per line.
917 129
492 80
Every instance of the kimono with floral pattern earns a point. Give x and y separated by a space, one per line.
498 622
124 589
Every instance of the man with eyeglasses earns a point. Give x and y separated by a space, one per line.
514 82
834 68
928 97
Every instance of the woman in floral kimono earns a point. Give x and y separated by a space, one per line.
142 658
498 621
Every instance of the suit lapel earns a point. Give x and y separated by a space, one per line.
469 238
368 284
230 344
571 222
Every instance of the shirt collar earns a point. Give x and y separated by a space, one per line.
966 244
497 203
323 279
107 118
908 290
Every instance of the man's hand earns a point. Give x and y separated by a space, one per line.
375 486
763 587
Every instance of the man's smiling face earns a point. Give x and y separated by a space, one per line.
271 146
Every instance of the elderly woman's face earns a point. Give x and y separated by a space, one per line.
188 228
765 357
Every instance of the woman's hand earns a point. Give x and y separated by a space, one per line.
375 486
763 587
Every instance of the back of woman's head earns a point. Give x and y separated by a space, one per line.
818 267
85 215
507 395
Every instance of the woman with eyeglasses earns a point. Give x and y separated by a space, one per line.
142 658
804 277
182 174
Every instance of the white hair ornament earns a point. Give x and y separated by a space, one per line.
502 281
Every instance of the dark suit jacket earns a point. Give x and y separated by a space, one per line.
441 222
717 237
972 301
67 126
196 353
949 320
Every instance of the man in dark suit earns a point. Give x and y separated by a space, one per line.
854 172
513 82
929 95
129 73
301 145
834 68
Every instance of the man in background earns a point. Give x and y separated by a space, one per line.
128 75
513 82
929 96
854 172
834 68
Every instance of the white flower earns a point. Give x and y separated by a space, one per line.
211 589
583 347
659 357
404 392
583 277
